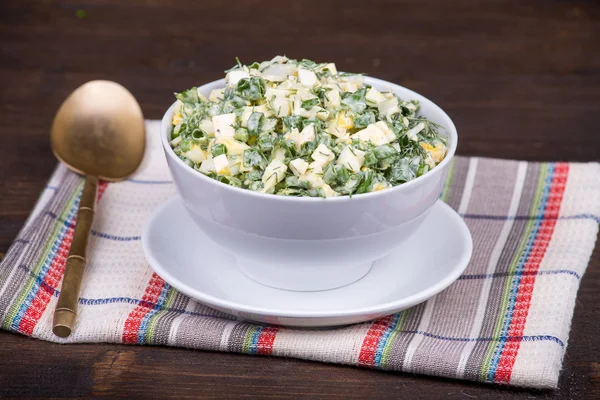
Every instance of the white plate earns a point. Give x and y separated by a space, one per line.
421 267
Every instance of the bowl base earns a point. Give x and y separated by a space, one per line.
303 278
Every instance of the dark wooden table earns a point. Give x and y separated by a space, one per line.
521 79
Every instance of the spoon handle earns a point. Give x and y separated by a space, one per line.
66 308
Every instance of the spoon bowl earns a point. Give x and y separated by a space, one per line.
99 131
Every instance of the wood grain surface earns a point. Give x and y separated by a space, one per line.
521 79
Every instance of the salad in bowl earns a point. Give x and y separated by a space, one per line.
300 128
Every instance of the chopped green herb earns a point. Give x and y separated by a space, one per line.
308 104
365 119
253 158
355 101
251 89
255 122
189 96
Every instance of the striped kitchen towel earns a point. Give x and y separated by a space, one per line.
506 320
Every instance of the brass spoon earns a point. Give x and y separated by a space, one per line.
98 132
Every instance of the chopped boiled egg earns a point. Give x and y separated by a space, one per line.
221 165
354 78
175 142
280 59
207 126
233 77
307 78
410 106
278 72
314 179
322 155
298 166
412 133
305 94
320 113
429 161
274 173
350 160
217 95
345 120
329 192
329 67
313 112
372 133
332 98
389 107
334 129
307 134
315 167
289 84
207 165
233 146
224 125
177 118
196 154
379 186
281 106
350 87
279 155
386 129
374 96
299 138
437 153
274 92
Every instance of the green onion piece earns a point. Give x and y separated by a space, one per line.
293 121
175 132
363 120
251 89
310 103
254 175
202 142
329 175
218 149
384 151
366 182
189 96
197 134
265 143
253 158
256 186
242 135
185 145
355 101
255 123
370 159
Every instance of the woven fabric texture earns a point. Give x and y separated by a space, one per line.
505 320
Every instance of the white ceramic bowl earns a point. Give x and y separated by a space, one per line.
304 243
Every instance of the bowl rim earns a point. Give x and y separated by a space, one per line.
450 129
